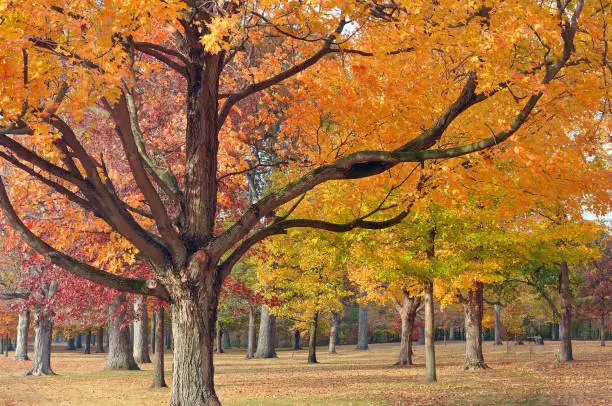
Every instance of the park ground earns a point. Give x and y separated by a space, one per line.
519 375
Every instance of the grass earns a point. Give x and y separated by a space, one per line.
520 375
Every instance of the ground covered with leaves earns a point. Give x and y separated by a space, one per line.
519 375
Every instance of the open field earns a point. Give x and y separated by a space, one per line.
520 375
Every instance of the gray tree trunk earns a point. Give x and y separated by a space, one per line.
153 330
267 335
473 311
219 339
158 366
333 331
407 310
227 342
312 339
362 331
100 340
87 343
498 324
70 344
602 330
430 352
120 354
141 331
451 334
41 360
297 345
555 331
251 333
566 315
78 342
21 346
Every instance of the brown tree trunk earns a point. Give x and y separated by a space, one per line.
141 331
498 324
120 354
219 339
312 339
251 333
87 343
566 315
362 330
267 335
473 310
297 345
602 330
21 345
153 330
159 380
407 310
333 331
41 361
430 352
100 340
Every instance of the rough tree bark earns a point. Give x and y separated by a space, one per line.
333 331
100 340
41 361
119 350
407 310
251 333
362 330
430 352
565 333
267 335
312 339
159 380
498 324
21 346
473 311
141 331
87 343
297 345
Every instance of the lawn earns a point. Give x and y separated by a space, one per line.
519 375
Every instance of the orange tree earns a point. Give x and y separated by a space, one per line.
476 74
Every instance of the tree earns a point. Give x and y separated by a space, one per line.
65 65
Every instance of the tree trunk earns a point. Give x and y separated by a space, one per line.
312 340
602 330
141 331
251 333
430 352
297 345
41 361
498 324
70 344
267 335
194 316
555 331
159 380
168 334
219 339
362 332
87 343
78 343
473 310
333 331
566 315
153 331
227 342
407 311
451 334
100 340
21 347
120 354
7 344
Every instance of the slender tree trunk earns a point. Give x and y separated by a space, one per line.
169 333
333 331
153 330
227 342
120 354
251 333
141 331
159 380
407 311
297 345
41 361
451 334
267 335
362 331
2 345
7 345
473 310
70 344
87 343
498 324
555 331
430 352
602 330
21 346
193 322
219 339
78 344
566 315
100 340
312 340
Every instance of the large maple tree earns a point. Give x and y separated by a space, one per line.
233 86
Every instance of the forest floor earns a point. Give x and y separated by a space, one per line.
519 375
